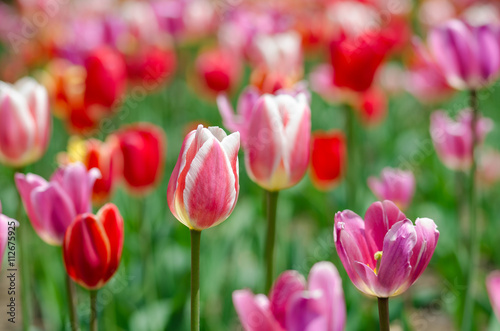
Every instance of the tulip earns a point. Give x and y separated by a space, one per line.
372 107
204 185
292 307
469 56
7 225
453 140
384 254
151 66
394 184
92 247
52 206
143 147
488 172
328 154
218 70
493 287
24 122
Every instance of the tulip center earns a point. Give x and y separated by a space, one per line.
378 258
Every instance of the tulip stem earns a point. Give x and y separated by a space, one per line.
271 206
70 288
195 280
383 313
468 314
93 310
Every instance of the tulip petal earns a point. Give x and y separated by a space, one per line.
288 284
427 237
25 185
379 218
112 221
304 314
80 194
493 287
229 118
254 312
395 264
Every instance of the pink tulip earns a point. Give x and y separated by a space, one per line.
493 287
204 185
292 307
52 206
394 184
24 122
384 254
453 139
276 131
7 224
468 55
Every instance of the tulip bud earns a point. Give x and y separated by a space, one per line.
394 184
52 206
204 185
93 246
453 139
384 254
24 122
328 156
143 147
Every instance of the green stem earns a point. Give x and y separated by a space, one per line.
271 205
383 313
70 288
351 158
468 314
195 280
93 310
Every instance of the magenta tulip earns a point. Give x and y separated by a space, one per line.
493 287
7 224
204 185
384 254
276 130
453 139
394 184
469 56
24 122
52 206
292 307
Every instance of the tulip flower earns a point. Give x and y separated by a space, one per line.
151 66
24 122
293 305
328 154
384 254
93 246
394 184
493 287
453 140
52 206
218 70
469 56
203 190
488 172
7 225
143 147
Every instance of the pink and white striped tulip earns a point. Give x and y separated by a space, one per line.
384 254
52 206
24 122
293 305
394 184
7 224
469 56
276 131
493 287
204 186
453 139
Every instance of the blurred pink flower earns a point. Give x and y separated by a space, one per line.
493 287
453 139
25 122
276 131
384 254
204 186
394 184
52 206
468 55
488 171
293 307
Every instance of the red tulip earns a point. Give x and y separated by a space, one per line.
143 147
152 65
106 78
92 247
328 155
218 69
372 107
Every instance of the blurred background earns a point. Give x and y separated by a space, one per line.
164 62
